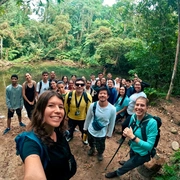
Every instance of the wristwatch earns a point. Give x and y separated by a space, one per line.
133 139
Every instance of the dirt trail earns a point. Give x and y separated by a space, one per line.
11 166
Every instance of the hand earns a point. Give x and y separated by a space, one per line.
135 75
128 132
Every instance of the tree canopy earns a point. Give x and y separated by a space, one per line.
128 37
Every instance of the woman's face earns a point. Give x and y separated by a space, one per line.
53 84
65 79
137 86
60 88
122 91
71 84
28 76
140 108
54 112
99 83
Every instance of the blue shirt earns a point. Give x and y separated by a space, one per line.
113 95
144 147
119 107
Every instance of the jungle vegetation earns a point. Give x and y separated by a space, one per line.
129 37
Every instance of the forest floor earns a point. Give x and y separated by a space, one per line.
11 166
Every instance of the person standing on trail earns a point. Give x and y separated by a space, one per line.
76 105
29 94
14 101
44 84
99 123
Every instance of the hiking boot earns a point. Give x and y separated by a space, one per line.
122 162
91 151
6 131
22 124
111 174
100 157
69 138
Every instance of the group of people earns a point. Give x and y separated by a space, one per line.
55 107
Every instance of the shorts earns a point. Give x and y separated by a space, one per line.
11 114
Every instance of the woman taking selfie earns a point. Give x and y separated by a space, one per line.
48 125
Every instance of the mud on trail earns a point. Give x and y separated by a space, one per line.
11 166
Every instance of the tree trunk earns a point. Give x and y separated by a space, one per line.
176 58
1 48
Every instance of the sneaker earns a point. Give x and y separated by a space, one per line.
100 157
122 162
6 130
22 124
69 138
111 175
85 142
91 151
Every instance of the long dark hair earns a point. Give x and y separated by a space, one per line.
37 124
120 95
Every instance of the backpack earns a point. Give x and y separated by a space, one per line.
40 86
19 139
70 97
143 125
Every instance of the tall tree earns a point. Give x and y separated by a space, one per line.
177 55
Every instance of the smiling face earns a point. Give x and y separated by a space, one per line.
137 86
110 83
103 95
79 86
140 107
122 91
53 85
54 112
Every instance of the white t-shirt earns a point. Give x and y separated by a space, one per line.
44 87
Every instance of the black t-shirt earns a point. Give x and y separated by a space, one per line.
59 153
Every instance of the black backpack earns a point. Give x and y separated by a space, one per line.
143 125
20 138
70 97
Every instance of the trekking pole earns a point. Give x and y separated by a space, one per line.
120 143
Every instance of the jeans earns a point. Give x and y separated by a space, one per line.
134 161
73 123
97 142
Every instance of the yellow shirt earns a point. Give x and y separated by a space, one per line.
73 110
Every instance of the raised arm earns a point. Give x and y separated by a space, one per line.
33 169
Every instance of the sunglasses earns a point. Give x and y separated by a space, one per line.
77 84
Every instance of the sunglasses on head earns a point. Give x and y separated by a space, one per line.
77 84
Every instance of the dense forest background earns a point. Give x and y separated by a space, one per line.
132 36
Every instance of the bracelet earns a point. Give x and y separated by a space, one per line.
133 139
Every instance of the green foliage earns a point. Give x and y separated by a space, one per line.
12 54
153 95
129 37
172 170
